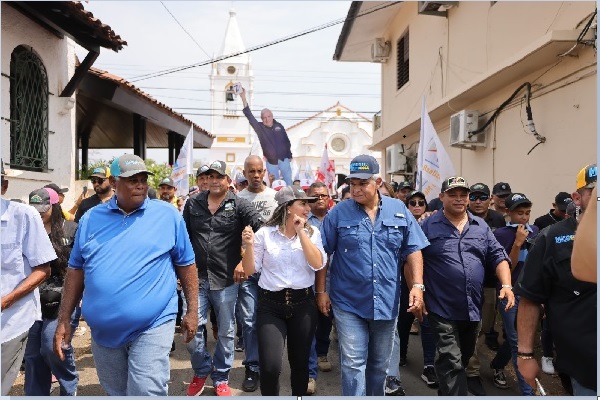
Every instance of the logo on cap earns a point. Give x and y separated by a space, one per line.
516 197
478 186
359 166
215 164
36 199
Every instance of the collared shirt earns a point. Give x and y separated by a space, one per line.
571 304
217 238
25 245
366 257
128 261
455 264
506 237
281 261
314 220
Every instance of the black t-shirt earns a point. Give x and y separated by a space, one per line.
570 303
85 205
546 220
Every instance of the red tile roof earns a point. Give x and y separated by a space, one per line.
101 30
145 96
338 104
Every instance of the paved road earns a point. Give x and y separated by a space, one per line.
328 383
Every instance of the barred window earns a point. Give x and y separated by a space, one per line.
28 111
402 61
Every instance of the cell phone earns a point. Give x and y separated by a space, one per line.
84 190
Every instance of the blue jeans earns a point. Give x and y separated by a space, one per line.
365 349
508 349
394 368
141 367
41 362
246 315
223 302
579 390
283 169
320 343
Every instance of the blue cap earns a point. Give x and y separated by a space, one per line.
363 167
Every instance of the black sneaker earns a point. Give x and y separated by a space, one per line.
251 381
430 377
475 386
393 387
499 378
239 346
492 343
172 347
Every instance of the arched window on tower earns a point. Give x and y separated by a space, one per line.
230 100
28 110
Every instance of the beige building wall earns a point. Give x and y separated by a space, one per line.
475 59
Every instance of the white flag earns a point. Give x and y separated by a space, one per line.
184 166
433 163
326 171
308 172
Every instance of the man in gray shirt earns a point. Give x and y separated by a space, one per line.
263 199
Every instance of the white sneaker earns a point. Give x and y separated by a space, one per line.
548 365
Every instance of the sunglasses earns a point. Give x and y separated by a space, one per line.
99 181
483 197
414 203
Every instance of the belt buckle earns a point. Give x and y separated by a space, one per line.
288 296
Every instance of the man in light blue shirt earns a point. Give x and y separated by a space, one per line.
369 237
130 252
26 254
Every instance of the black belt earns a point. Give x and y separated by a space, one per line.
287 295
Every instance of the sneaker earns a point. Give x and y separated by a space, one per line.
172 347
251 380
492 343
196 387
393 387
403 361
414 328
475 386
548 366
311 387
222 389
324 364
499 378
429 376
239 346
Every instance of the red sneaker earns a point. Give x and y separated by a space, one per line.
222 389
196 387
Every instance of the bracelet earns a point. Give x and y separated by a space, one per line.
507 286
525 356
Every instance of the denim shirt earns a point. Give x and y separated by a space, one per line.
365 267
455 264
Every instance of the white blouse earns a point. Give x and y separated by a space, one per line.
281 261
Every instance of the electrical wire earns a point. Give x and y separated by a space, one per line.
262 46
181 26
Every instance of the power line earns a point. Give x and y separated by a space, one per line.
276 93
181 26
255 48
275 110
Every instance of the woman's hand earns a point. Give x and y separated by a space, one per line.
248 236
299 223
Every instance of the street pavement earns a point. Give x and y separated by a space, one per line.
328 383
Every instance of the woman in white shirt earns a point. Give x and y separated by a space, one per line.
287 251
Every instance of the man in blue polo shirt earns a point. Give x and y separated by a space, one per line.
129 253
462 248
369 238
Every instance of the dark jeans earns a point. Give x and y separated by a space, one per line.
547 339
324 325
455 344
405 320
290 314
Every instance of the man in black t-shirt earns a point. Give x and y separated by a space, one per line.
558 212
104 191
570 303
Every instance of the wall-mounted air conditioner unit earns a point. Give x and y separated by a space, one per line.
461 124
380 50
395 160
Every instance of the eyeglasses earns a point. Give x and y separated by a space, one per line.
321 196
99 181
474 197
414 203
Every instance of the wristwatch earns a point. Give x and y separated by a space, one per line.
419 286
507 286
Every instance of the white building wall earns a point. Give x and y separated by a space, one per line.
58 56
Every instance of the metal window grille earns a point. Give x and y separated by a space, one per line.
28 111
402 61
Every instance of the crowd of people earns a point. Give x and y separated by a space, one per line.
267 264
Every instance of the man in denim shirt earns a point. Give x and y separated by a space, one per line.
368 236
462 248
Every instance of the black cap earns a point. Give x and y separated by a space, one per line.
218 166
57 189
562 200
501 189
454 182
405 185
480 188
202 170
363 167
515 200
167 182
